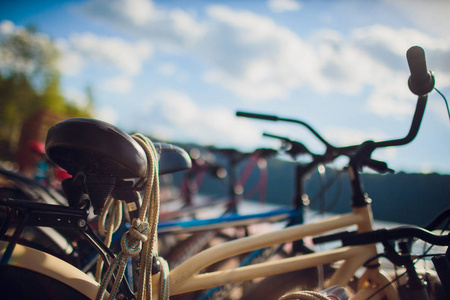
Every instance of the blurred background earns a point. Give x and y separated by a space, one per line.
179 70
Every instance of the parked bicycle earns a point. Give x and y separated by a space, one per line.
104 161
202 231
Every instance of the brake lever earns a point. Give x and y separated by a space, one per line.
378 166
295 149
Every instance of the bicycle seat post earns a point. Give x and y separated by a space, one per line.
359 197
301 170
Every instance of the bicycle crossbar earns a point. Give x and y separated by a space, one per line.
184 277
231 220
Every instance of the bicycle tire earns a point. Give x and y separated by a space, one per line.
274 287
21 283
28 265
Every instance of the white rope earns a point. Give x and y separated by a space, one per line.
141 238
304 295
110 218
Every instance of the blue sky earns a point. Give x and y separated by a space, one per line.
178 70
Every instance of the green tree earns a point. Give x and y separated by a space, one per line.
30 82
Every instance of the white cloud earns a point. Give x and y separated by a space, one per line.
429 16
39 42
167 69
6 28
77 97
345 136
392 98
259 60
176 107
136 12
268 61
342 68
107 114
70 62
117 84
173 71
174 29
284 5
175 116
88 49
139 11
397 40
126 56
272 60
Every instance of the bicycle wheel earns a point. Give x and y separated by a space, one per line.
20 283
274 287
33 274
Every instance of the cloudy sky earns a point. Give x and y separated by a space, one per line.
179 70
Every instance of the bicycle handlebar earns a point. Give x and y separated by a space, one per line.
275 118
438 220
257 116
296 148
382 235
421 82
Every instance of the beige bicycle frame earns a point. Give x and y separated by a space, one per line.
53 267
186 277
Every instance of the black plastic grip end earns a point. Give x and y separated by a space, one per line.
257 116
421 82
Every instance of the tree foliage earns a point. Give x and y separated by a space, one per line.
30 82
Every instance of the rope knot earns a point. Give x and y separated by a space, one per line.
132 240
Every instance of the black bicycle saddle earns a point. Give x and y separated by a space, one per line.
106 158
97 147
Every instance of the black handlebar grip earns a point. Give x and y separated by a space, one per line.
256 116
417 64
421 82
379 166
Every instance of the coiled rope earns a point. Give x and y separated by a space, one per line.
108 223
141 238
304 295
